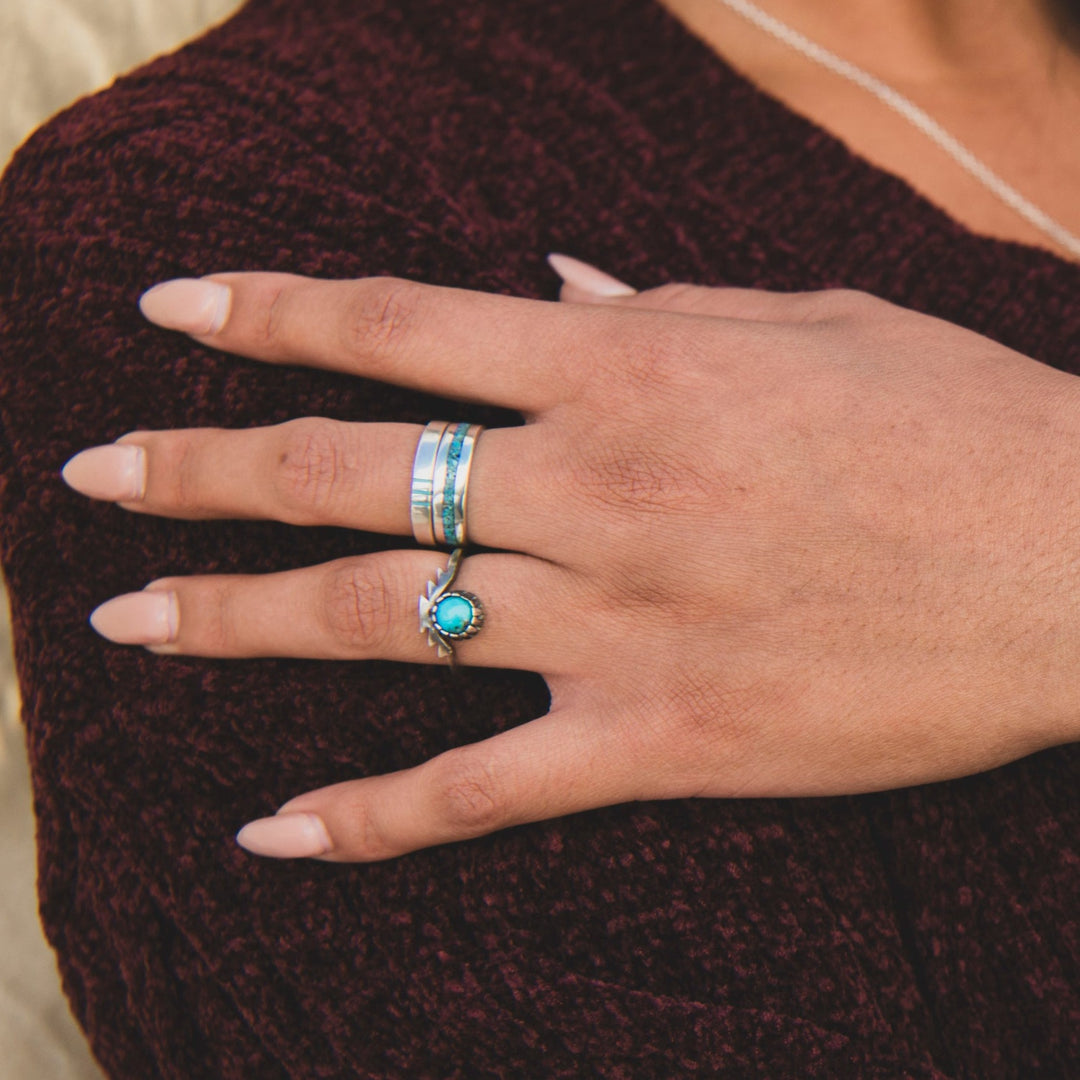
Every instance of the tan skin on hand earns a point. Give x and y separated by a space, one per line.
814 543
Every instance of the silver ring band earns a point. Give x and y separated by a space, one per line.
440 482
422 480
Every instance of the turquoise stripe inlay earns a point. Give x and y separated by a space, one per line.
453 458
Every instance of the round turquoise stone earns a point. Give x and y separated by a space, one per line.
454 615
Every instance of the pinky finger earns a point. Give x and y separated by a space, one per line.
559 764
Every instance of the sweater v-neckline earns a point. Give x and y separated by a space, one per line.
792 151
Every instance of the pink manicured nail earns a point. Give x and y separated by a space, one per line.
286 836
193 305
115 472
141 618
585 276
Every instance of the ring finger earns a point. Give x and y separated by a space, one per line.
360 608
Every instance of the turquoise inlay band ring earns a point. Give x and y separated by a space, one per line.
440 483
449 616
448 507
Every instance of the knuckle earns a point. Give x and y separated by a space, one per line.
268 319
367 836
657 367
644 368
186 474
218 618
360 607
633 481
829 304
700 709
467 793
672 295
852 300
379 317
312 466
706 730
638 479
735 719
644 363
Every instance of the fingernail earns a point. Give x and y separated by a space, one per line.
114 472
585 276
286 836
141 618
193 305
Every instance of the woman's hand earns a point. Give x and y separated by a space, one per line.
757 544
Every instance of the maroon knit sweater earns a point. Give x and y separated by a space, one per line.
929 932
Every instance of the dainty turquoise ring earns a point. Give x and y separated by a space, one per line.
448 616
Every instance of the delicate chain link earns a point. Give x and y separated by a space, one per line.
913 114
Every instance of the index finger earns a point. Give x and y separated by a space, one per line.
457 343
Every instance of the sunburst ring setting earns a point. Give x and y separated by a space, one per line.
458 615
449 615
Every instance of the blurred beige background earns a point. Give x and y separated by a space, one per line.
52 52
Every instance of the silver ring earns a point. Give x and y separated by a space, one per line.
423 475
440 483
449 616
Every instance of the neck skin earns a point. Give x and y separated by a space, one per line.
942 42
1002 76
928 44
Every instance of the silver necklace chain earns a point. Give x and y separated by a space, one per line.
912 113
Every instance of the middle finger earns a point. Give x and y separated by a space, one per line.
311 471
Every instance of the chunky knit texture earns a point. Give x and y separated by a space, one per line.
926 933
